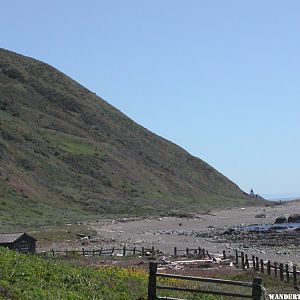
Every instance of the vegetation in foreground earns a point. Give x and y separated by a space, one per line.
30 277
25 277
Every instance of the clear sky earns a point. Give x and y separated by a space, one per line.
219 78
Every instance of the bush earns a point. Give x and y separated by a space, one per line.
13 73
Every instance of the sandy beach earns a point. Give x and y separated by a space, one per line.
215 231
165 233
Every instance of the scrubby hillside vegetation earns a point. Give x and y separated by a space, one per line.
66 154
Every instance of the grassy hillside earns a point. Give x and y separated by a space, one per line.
66 154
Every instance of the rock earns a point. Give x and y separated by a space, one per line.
229 231
260 216
280 220
295 218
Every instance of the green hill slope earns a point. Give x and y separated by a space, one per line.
67 154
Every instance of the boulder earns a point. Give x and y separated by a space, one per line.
280 220
229 231
260 216
295 218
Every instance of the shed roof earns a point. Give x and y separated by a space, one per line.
6 238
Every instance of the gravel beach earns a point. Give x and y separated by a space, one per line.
206 231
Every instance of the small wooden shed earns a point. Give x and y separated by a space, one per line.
21 242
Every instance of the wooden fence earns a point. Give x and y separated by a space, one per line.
104 251
199 252
256 287
279 270
196 252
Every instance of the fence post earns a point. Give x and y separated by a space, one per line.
224 254
175 251
208 254
295 276
52 252
152 281
112 251
269 267
256 288
143 251
236 257
262 270
253 262
133 250
247 261
124 251
187 251
257 263
275 269
82 251
203 252
287 273
152 251
281 272
243 260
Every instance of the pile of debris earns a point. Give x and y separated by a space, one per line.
171 263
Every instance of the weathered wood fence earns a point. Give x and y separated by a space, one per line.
104 251
198 252
256 287
282 271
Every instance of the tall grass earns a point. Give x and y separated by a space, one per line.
28 277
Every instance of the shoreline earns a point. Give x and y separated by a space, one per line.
198 230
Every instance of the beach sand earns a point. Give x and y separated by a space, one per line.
165 233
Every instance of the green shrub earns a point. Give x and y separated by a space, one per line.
13 73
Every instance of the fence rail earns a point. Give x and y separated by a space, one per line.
196 252
282 271
256 287
103 251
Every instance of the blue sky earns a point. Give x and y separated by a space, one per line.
219 78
